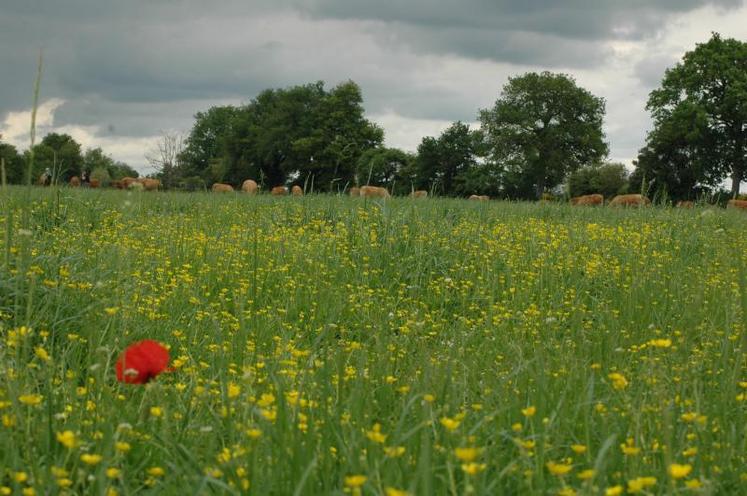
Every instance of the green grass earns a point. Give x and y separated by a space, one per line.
298 324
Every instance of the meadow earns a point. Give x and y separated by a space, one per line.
333 345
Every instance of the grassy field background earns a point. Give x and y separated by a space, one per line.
327 345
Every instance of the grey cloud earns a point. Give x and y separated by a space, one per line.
650 71
591 19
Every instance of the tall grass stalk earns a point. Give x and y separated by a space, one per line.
32 136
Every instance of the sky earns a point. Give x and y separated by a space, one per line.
117 74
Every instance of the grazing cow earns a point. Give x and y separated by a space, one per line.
595 199
355 191
374 192
222 188
136 186
279 191
95 183
296 190
126 181
419 194
479 197
249 186
630 201
150 184
75 181
117 184
740 204
685 204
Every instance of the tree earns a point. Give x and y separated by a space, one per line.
676 161
543 127
607 179
164 157
444 164
206 143
14 163
302 132
387 167
59 153
118 170
702 106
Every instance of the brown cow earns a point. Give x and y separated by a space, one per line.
222 188
296 190
126 181
630 201
419 194
95 183
117 184
479 197
685 204
249 186
150 184
75 181
740 204
374 192
355 191
595 199
279 191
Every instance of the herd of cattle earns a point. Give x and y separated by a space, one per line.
251 187
641 201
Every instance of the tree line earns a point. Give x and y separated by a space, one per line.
60 157
543 134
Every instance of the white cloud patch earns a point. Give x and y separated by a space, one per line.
16 126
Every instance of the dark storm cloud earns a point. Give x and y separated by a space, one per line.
135 67
578 19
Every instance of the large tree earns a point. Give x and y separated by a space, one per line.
206 144
59 153
542 127
702 105
444 164
303 133
677 162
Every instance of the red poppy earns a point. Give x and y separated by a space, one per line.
142 362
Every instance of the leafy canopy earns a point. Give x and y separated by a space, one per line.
542 127
700 119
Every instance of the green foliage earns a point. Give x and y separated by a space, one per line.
108 169
101 174
59 153
331 337
700 120
607 179
206 143
302 131
541 128
14 163
388 167
447 165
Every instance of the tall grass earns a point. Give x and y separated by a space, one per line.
320 338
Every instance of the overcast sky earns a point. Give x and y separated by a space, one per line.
117 73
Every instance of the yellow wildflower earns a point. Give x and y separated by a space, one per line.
678 471
67 439
467 454
559 469
449 423
90 459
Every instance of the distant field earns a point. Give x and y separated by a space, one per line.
326 345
